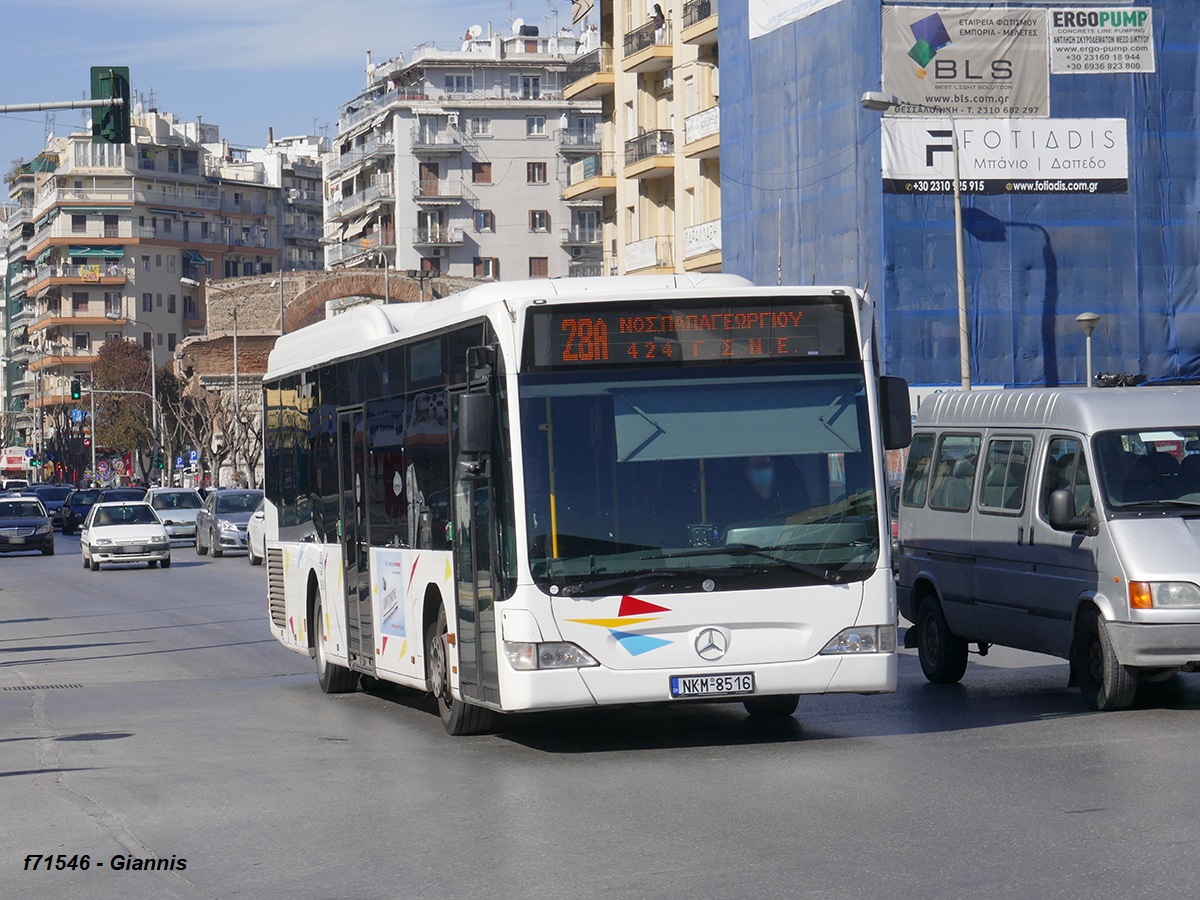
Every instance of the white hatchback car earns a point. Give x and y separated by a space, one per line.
256 535
124 532
177 507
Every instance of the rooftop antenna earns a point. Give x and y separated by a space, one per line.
48 132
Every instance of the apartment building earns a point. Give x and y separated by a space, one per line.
108 241
293 164
657 173
449 161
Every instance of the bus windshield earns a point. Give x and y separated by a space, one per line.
734 477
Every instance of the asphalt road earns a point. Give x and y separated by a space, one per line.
149 712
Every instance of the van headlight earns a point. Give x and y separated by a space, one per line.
1163 595
526 657
866 639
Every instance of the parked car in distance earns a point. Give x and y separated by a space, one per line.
75 508
256 535
122 494
178 508
221 524
24 525
52 497
124 532
14 485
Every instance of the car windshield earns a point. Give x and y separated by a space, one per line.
126 514
53 493
239 502
19 510
114 496
177 500
84 498
1150 468
759 478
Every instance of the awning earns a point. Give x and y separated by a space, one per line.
100 252
354 229
165 212
192 214
96 209
193 258
43 256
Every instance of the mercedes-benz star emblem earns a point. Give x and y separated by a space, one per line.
711 644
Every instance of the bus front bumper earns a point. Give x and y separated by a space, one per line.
867 673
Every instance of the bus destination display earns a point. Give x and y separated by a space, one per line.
566 337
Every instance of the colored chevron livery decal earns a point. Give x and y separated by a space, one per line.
632 611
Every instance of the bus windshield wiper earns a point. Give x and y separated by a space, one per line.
630 581
819 572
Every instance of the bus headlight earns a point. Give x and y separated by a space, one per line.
526 657
1163 595
866 639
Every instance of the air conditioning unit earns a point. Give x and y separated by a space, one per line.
668 81
452 118
437 251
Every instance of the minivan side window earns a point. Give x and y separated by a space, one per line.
916 471
1066 469
1005 471
954 472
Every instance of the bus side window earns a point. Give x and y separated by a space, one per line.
916 471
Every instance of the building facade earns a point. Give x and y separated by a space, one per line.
110 242
448 162
657 171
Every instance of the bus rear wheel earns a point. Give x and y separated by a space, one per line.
943 654
332 678
458 716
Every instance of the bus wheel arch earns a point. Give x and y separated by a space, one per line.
310 614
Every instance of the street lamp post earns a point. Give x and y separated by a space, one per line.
879 102
1088 322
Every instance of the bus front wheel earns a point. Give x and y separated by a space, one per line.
780 706
458 716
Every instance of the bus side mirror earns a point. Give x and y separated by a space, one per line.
895 412
474 424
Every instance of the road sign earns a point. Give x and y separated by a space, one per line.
77 415
193 456
53 457
179 462
29 452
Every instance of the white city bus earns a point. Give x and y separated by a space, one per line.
583 492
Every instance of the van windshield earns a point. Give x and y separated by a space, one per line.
1150 468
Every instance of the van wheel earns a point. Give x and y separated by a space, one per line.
332 678
943 654
458 716
1106 685
780 706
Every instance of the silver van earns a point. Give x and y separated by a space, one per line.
1063 521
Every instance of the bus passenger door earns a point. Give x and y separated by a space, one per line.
479 678
352 530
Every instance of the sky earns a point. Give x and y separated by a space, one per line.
241 64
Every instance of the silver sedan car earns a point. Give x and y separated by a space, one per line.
221 523
178 508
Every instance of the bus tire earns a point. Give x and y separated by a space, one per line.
458 717
780 706
332 678
1105 684
943 654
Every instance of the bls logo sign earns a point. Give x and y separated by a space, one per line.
930 36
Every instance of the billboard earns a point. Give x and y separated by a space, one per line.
767 15
967 61
1100 41
1005 156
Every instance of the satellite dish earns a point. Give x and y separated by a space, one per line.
475 31
517 25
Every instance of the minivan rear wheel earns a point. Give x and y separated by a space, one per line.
943 654
1106 685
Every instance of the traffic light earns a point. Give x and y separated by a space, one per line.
110 124
159 461
76 389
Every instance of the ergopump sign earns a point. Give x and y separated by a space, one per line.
967 61
1101 41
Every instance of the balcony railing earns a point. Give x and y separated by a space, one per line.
696 11
580 235
644 36
652 143
437 236
381 144
436 190
597 165
585 267
649 253
702 124
380 191
599 60
702 238
570 139
86 273
442 139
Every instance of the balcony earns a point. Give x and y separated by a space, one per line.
571 141
650 155
376 193
99 273
585 267
702 246
702 134
699 22
591 178
302 232
442 192
655 253
437 236
590 76
580 236
50 362
381 145
643 53
441 141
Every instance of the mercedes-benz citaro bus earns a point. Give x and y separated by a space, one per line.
583 492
